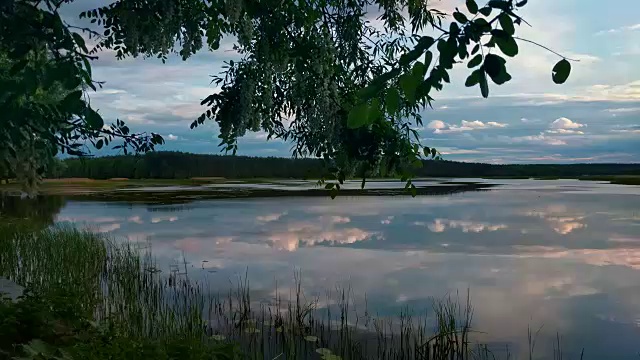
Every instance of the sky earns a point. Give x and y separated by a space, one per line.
593 117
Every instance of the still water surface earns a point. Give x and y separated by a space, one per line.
564 255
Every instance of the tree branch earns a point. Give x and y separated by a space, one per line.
546 48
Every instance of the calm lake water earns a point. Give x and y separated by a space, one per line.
564 255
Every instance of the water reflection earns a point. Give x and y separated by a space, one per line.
566 255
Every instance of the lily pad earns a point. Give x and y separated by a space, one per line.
311 338
331 357
323 351
251 330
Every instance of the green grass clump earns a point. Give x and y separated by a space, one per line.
90 298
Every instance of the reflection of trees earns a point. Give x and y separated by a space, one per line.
39 211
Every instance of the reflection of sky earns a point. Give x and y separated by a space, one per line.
563 254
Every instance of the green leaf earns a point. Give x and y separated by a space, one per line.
418 71
358 116
428 57
484 86
334 193
411 56
375 112
499 4
99 144
482 24
507 44
475 49
425 42
408 84
507 23
522 3
477 60
71 103
493 65
472 6
87 67
561 71
426 150
93 119
311 338
80 41
460 17
392 101
17 67
473 79
486 11
370 91
413 190
448 49
501 78
454 29
433 152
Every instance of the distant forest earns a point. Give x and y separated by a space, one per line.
178 165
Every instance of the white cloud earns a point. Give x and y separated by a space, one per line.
337 219
160 219
440 225
627 131
559 218
111 91
564 123
310 235
584 58
623 110
387 221
541 138
476 124
441 127
565 132
135 219
171 137
456 151
270 217
107 228
436 125
625 92
496 124
619 30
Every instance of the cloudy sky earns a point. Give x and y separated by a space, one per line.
594 117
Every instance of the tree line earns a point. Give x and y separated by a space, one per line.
179 165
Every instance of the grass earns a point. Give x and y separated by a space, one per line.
615 179
106 190
118 287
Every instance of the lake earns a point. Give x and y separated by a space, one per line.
563 256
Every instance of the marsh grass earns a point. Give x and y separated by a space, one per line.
615 179
119 285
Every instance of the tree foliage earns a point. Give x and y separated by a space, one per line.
45 76
344 80
177 165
